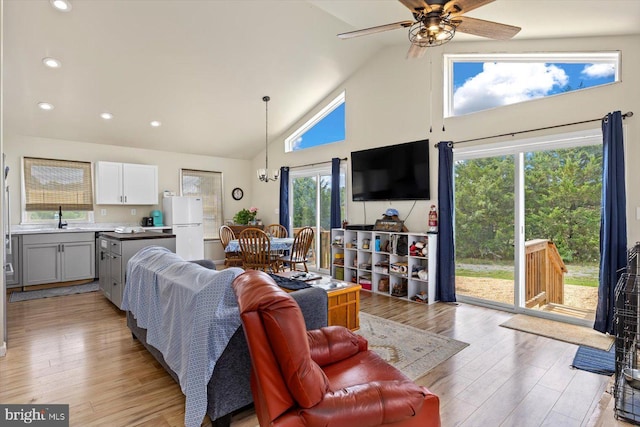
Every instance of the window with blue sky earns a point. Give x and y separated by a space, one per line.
325 127
476 82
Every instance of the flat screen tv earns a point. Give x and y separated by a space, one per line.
395 172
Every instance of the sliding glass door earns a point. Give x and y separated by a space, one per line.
527 224
562 230
484 232
311 207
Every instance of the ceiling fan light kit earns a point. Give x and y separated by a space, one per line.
431 36
436 22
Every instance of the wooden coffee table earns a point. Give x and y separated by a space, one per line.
343 300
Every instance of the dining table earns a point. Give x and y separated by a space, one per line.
277 244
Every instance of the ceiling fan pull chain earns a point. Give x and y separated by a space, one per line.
430 94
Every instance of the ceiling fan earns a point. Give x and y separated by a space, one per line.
436 22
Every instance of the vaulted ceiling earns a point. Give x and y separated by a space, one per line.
201 67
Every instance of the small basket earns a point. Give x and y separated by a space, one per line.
383 284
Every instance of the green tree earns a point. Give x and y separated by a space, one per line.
562 200
562 203
484 208
325 203
304 201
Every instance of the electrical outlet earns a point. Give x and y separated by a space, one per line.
133 211
103 212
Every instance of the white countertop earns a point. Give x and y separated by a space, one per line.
75 228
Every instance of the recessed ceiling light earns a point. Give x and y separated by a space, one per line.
45 106
106 116
155 123
62 5
51 62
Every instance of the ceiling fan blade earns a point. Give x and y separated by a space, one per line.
416 5
458 7
482 28
378 29
416 51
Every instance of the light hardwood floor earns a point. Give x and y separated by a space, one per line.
77 349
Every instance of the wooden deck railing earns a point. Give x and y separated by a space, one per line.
544 273
325 248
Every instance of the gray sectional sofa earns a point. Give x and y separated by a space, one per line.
228 389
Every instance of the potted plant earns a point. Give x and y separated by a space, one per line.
246 216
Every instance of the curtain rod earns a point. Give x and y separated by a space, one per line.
314 164
624 116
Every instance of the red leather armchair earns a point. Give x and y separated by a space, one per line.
325 377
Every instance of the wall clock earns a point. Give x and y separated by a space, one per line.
237 193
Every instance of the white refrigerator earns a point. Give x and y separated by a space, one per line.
184 215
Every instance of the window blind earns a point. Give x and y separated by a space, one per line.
53 183
207 185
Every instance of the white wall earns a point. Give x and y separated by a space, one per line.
234 174
388 102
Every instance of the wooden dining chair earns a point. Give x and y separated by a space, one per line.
255 250
276 230
231 259
299 250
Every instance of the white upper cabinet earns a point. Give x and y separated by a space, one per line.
140 184
126 184
109 183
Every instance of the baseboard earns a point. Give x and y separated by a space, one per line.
57 285
3 349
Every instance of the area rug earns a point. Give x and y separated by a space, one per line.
53 292
411 350
594 360
566 332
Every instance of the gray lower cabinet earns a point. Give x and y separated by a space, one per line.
14 279
114 252
104 264
57 257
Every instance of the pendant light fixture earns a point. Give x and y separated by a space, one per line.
265 174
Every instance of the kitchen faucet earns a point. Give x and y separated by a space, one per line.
60 223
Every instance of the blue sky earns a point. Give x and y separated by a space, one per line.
479 86
330 129
483 85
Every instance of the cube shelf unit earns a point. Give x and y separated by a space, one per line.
383 262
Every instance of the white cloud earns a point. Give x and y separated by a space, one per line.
507 83
595 71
